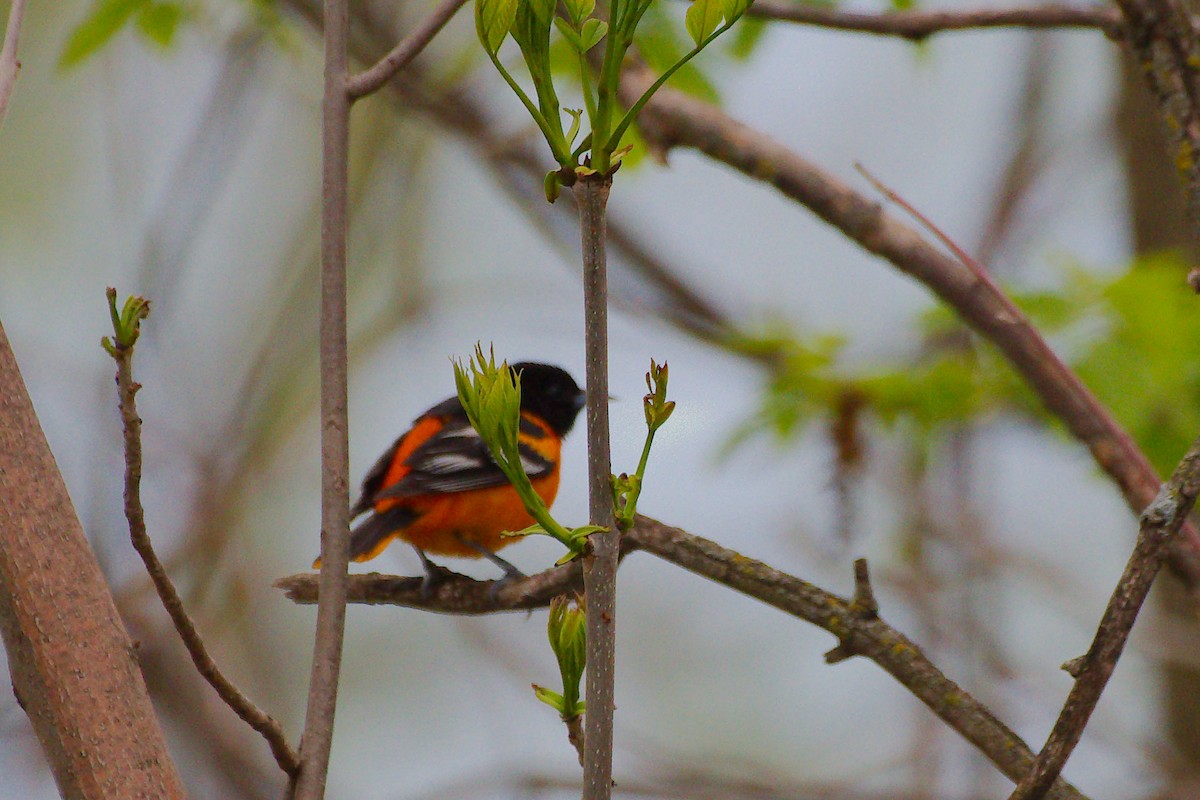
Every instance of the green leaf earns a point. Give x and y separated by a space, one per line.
576 115
493 19
105 20
735 8
159 21
543 11
591 33
570 34
703 18
579 9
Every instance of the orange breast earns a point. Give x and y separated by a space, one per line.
479 516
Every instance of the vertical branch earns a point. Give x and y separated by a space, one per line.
9 65
335 447
600 565
1163 38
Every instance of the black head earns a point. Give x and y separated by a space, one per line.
551 393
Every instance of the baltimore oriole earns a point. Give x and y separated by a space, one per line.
438 488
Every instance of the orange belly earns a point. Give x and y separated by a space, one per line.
478 516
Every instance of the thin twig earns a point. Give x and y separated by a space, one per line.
600 563
673 119
1160 525
919 25
9 65
402 54
859 631
335 445
256 718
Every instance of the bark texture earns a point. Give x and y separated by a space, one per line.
74 668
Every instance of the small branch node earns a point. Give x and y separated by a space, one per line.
864 605
839 654
1075 666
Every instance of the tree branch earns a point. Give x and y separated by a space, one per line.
257 719
73 667
855 622
1159 526
335 445
1165 40
600 562
919 25
672 119
9 65
409 48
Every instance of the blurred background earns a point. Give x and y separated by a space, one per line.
826 409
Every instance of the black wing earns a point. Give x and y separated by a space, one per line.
373 482
457 460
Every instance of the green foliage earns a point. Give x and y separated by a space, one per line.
1146 368
567 631
493 19
703 17
663 42
127 323
1134 340
491 396
530 23
657 409
156 20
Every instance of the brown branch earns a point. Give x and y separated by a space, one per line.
9 65
576 736
402 54
1160 525
458 594
919 25
672 119
255 717
1165 40
858 627
600 560
317 739
73 668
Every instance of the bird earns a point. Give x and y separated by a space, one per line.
439 489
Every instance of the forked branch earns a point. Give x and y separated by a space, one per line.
1159 527
854 622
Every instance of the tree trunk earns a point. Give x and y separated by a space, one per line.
74 668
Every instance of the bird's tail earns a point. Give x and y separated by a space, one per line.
370 536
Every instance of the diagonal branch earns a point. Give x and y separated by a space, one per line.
855 622
1160 525
402 54
255 717
919 25
673 119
